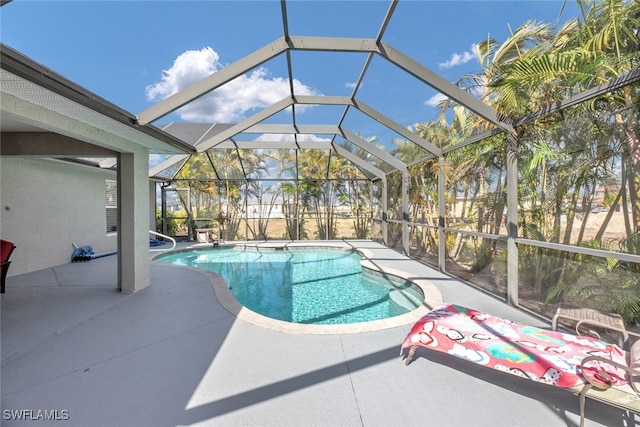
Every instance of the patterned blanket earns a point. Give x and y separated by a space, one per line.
536 354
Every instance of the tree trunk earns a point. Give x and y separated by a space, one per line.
606 221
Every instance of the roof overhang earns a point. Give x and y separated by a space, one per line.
37 100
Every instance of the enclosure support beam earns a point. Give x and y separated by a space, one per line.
246 212
394 126
372 222
385 240
405 212
167 163
163 196
291 129
220 215
245 124
512 219
358 161
442 85
441 215
373 150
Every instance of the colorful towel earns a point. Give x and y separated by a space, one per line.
536 354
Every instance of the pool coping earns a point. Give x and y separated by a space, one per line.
432 296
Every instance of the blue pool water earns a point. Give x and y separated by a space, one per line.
304 286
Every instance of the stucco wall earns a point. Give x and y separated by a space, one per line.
47 206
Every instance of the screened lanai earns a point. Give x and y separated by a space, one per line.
525 183
289 150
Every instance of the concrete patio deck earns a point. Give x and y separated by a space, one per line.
172 355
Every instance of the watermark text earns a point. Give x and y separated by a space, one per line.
35 414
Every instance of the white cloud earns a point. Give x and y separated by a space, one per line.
435 100
286 137
312 138
229 103
275 137
351 85
460 58
188 68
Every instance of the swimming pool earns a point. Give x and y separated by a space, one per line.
305 286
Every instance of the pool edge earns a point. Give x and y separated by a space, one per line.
432 296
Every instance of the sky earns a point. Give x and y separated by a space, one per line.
135 53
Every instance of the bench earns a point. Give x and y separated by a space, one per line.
601 388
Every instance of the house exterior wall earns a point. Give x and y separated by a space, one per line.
35 195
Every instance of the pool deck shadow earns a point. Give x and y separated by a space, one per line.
174 355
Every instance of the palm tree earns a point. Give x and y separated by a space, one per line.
610 31
316 195
286 160
603 45
600 137
493 57
203 191
230 170
355 191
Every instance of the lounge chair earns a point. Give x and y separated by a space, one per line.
595 323
608 324
583 365
6 249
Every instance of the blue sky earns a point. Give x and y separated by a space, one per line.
134 53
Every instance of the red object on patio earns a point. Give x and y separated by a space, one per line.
6 248
584 365
549 357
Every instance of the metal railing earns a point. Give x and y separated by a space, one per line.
164 237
